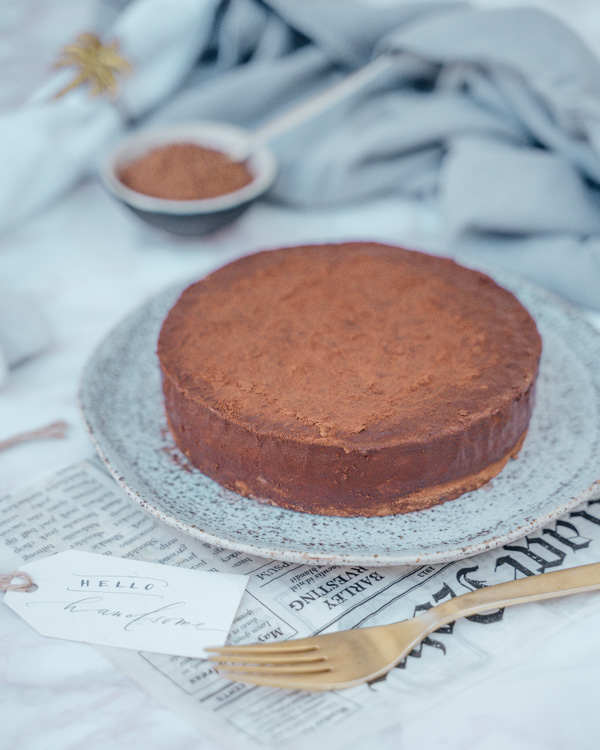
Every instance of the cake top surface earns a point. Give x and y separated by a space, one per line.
357 344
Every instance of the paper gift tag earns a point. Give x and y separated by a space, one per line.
115 602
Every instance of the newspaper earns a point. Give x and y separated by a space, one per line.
81 507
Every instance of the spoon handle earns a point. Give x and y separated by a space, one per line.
313 106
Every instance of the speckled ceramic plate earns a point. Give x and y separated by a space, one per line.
558 468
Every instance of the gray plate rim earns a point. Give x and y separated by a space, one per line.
305 556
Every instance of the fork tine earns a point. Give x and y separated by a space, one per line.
277 658
292 647
274 669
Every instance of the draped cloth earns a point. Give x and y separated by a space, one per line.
494 114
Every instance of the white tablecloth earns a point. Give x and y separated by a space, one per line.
86 263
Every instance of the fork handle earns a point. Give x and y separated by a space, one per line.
530 589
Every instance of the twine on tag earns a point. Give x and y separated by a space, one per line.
6 582
54 431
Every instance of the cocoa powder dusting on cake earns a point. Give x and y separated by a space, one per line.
355 342
185 171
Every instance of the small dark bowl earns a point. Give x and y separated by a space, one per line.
189 217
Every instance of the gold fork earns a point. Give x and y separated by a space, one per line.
341 660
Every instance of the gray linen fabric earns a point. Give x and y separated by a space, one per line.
495 112
24 332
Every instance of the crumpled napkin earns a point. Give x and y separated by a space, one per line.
496 113
24 332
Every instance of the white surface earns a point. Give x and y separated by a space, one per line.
87 263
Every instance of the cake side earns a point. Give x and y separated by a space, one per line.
329 480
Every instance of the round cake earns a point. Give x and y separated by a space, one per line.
355 379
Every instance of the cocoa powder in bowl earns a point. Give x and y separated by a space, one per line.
185 171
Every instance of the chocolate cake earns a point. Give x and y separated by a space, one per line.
355 379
